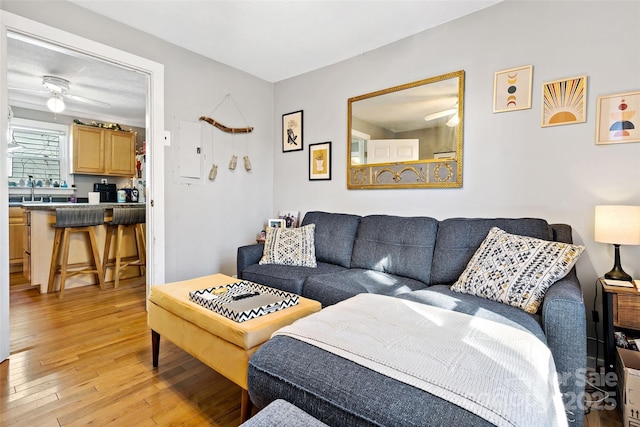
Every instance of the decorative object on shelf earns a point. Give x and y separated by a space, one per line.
320 161
276 223
618 225
512 89
615 118
290 218
292 132
110 126
564 101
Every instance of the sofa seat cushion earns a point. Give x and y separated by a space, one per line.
334 236
396 245
459 238
334 287
286 277
289 369
442 296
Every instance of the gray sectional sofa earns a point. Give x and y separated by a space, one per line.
417 259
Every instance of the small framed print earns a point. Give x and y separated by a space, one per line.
564 102
292 131
617 118
320 161
512 89
277 223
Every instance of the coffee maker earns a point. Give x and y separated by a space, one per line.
107 192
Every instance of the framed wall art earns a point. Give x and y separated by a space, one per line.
512 89
292 131
564 101
617 119
320 161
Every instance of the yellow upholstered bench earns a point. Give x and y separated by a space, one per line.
221 343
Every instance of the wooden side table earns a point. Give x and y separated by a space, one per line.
620 309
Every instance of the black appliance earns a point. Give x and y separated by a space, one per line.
107 192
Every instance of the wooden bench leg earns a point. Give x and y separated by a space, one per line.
155 347
245 406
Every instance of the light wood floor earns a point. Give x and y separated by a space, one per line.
86 359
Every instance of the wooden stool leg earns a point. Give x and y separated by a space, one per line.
107 250
119 236
96 257
54 260
140 247
66 234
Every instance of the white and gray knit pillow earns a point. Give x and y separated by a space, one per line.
516 270
290 246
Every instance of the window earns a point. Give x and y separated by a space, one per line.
40 150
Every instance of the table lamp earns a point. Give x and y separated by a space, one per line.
618 225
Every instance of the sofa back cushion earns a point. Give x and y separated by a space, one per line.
396 245
459 238
334 236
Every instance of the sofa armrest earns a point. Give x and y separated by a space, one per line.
564 324
248 255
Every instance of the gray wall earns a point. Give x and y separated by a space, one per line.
205 221
512 166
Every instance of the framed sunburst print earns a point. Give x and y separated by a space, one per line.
564 101
617 118
512 89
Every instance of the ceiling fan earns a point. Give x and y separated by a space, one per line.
58 88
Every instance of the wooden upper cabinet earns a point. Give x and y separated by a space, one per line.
120 153
98 151
88 150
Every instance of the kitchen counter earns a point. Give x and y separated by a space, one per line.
40 218
50 206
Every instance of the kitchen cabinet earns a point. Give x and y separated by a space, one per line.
17 229
98 151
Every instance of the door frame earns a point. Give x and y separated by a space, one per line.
155 272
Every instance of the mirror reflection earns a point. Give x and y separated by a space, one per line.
408 136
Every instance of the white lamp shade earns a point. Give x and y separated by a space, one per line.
617 224
55 104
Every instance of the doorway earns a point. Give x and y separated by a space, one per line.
154 127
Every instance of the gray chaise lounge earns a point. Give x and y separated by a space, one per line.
422 258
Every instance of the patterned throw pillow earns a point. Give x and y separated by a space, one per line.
290 246
516 270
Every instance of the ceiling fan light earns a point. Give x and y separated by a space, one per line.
55 104
453 121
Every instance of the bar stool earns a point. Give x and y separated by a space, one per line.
68 221
125 218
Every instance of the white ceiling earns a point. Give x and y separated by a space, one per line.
276 40
273 40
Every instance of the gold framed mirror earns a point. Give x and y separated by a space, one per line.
407 136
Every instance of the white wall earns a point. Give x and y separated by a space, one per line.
512 166
205 221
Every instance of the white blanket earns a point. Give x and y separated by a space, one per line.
502 374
